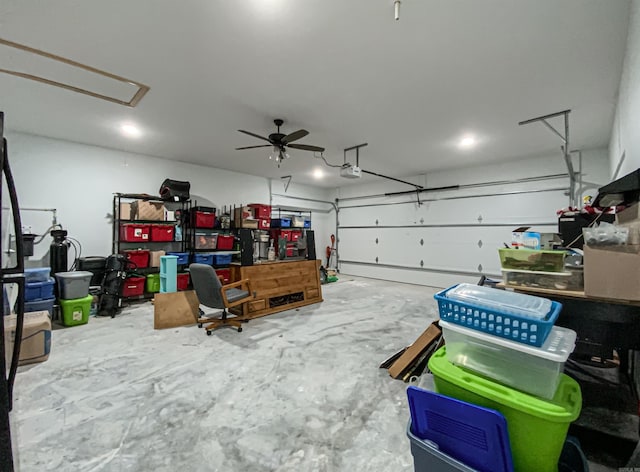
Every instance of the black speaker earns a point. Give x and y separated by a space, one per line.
311 245
246 247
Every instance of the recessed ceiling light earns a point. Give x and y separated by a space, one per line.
130 130
467 142
318 173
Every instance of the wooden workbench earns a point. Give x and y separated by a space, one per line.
278 285
549 292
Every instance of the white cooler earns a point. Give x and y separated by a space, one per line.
534 370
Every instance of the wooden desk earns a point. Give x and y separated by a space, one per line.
279 286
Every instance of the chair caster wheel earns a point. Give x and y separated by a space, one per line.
199 325
208 333
239 330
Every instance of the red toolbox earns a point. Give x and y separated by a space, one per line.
225 274
183 281
261 211
203 217
162 232
139 257
264 223
225 242
295 235
130 232
133 286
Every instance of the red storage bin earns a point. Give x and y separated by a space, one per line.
183 281
140 257
225 273
133 286
162 232
261 211
134 233
225 242
289 251
295 235
264 223
286 234
203 219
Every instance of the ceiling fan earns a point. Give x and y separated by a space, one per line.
280 142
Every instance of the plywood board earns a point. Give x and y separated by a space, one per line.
414 352
175 309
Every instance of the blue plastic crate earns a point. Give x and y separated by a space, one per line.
40 305
183 257
37 274
39 290
221 259
307 224
522 329
203 258
471 434
281 223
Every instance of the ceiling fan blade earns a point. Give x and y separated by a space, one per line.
254 135
253 147
306 147
301 133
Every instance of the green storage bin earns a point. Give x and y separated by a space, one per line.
153 283
76 310
537 427
532 259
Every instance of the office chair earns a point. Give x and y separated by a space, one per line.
211 293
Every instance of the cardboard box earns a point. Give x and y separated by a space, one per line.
154 258
143 210
125 211
630 218
36 337
612 272
251 224
242 213
523 237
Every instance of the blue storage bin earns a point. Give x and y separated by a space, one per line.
307 224
38 274
203 258
281 223
38 290
522 329
221 259
183 257
40 305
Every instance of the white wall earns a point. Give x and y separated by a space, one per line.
79 181
451 228
625 136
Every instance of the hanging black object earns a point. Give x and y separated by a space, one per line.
175 190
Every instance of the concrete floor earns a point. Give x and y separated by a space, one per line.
296 391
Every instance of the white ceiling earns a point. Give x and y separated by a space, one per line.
342 69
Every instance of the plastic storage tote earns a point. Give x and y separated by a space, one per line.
162 232
134 233
76 312
206 240
182 281
571 280
72 285
225 242
532 259
38 274
225 274
203 219
537 427
183 257
221 259
455 426
40 305
428 458
535 370
153 283
202 258
133 286
504 322
261 211
138 257
281 223
39 290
